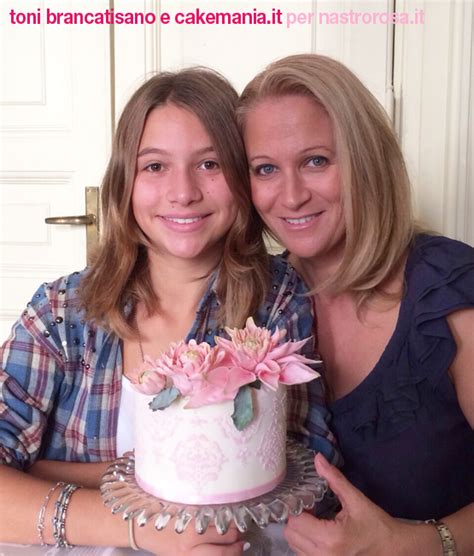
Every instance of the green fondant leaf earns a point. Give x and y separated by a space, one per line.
165 398
243 408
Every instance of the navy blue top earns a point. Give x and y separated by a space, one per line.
404 439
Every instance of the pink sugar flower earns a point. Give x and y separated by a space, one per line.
209 375
219 384
147 378
188 363
256 349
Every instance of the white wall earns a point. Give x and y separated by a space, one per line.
434 87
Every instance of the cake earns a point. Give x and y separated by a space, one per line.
197 456
210 422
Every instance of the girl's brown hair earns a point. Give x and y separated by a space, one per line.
375 186
119 276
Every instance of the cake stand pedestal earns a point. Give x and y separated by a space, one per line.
300 490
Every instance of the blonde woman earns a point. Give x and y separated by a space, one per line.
394 312
181 255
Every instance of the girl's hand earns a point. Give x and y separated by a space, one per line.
169 543
360 527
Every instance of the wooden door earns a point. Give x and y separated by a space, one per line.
55 130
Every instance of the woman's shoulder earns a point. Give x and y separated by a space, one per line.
441 251
439 282
440 273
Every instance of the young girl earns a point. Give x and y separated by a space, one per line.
181 256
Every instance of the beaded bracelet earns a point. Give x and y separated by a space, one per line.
59 518
42 512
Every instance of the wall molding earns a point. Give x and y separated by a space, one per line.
28 129
42 55
8 315
31 271
36 178
152 40
459 188
433 88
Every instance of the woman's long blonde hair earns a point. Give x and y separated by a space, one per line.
379 224
119 276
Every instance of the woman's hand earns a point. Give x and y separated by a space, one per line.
360 527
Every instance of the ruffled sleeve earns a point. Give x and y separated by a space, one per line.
413 368
442 279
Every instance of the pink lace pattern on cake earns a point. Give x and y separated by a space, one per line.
197 421
156 435
199 461
240 438
272 448
162 430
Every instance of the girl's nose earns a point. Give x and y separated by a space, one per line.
184 188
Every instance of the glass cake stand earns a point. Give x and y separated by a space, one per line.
300 490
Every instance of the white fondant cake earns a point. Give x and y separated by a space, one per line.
197 456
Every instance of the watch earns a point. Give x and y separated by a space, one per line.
447 539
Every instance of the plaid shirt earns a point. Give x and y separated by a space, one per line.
60 378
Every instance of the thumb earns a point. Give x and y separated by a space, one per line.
347 493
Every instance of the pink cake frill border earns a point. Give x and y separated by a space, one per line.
226 498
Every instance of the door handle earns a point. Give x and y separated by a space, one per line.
90 220
83 220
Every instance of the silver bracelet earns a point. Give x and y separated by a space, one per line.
131 535
42 512
59 518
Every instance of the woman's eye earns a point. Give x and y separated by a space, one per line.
154 167
264 170
317 161
209 165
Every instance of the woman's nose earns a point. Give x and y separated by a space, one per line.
294 192
184 188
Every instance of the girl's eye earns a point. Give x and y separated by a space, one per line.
317 161
209 165
264 170
154 167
